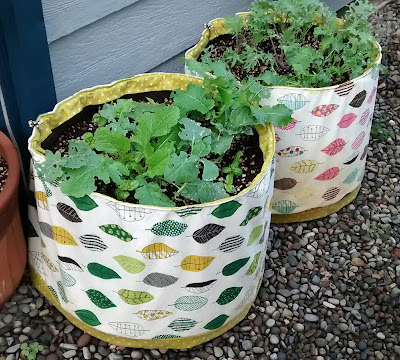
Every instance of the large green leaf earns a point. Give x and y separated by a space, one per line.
184 168
194 97
204 191
151 194
192 130
111 142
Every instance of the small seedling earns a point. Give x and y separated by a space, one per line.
232 171
30 351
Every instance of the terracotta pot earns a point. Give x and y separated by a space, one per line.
12 241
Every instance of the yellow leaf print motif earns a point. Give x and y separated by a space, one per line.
41 199
151 315
196 263
49 264
305 166
62 236
157 251
304 194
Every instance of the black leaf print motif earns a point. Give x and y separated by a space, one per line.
201 287
207 232
159 280
92 242
69 264
358 99
231 244
68 212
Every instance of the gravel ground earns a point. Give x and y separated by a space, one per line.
331 288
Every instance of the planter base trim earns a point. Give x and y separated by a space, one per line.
176 343
315 213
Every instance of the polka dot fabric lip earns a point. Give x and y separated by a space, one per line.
146 276
321 154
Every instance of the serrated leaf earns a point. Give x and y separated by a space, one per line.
132 297
151 194
220 144
217 322
226 209
159 280
202 147
207 232
194 97
233 267
101 271
88 317
280 115
129 264
228 295
255 233
190 303
51 168
99 299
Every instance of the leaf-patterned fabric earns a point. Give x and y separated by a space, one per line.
145 276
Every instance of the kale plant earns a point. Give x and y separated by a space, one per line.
300 43
145 147
29 352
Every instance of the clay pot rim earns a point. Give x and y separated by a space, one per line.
9 153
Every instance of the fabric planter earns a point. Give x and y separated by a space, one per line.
320 156
145 276
12 240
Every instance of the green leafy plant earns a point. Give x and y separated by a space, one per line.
299 43
232 171
146 148
380 131
29 352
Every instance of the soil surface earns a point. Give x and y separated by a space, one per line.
251 161
3 173
217 47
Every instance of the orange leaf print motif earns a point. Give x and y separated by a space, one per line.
324 110
289 126
334 147
357 142
328 174
347 120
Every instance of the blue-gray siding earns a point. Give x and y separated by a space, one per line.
96 42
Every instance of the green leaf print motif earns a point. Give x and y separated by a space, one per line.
88 317
234 266
166 336
85 203
190 303
254 264
228 295
182 324
54 292
117 231
130 264
101 271
227 209
132 297
217 322
99 299
168 228
255 233
62 291
251 214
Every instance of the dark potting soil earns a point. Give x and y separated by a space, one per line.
251 160
220 44
3 173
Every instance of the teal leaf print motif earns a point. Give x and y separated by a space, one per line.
62 291
251 214
168 228
201 287
88 317
228 295
85 203
188 211
254 264
47 190
128 329
284 206
255 233
207 232
130 264
217 322
54 292
66 279
293 101
116 231
190 303
226 209
351 177
234 266
159 280
99 299
182 324
101 271
231 244
166 336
